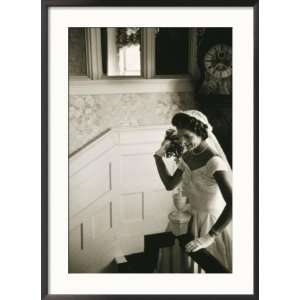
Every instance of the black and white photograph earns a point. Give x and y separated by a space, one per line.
150 150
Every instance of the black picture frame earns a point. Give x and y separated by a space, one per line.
46 4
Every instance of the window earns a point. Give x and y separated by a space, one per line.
131 54
121 51
171 51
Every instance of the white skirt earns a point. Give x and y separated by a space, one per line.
175 260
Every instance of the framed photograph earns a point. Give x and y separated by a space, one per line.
150 149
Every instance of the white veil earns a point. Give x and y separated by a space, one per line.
211 140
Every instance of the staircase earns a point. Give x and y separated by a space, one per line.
146 262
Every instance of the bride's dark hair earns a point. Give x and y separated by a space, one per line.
183 121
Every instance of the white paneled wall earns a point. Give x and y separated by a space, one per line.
115 198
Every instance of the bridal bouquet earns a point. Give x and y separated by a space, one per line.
175 148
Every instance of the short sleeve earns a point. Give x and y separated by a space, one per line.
214 164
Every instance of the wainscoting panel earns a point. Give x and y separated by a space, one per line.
93 187
143 196
142 135
130 231
94 177
101 221
92 151
115 198
158 204
132 207
138 173
91 255
77 261
102 205
130 244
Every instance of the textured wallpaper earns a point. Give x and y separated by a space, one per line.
89 116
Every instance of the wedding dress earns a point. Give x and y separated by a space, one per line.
206 205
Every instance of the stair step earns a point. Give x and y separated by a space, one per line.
140 263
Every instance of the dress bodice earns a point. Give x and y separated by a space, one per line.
200 186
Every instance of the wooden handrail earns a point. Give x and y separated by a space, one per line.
203 258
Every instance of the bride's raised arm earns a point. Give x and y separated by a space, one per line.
169 181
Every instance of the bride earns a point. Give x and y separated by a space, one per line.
205 176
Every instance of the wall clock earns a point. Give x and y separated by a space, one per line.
218 61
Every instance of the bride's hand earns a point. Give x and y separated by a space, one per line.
163 148
199 243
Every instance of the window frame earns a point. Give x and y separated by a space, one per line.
97 83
